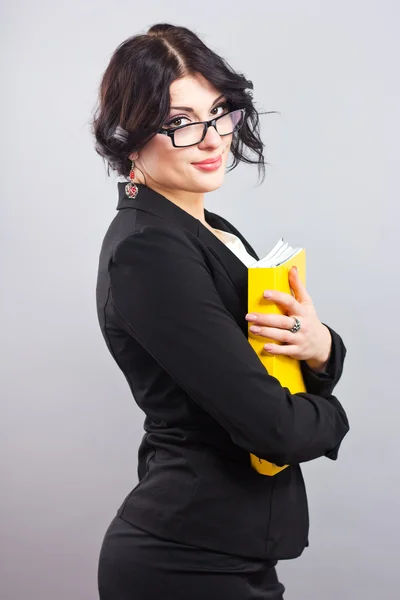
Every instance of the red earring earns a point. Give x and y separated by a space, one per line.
131 189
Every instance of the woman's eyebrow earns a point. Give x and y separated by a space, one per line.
188 109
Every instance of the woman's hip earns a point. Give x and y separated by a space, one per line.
137 565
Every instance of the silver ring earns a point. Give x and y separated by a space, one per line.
296 326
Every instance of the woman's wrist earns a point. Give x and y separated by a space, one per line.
320 363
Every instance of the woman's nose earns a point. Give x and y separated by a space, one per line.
212 137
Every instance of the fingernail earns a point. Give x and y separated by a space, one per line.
251 317
267 294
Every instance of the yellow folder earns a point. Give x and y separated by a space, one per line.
284 368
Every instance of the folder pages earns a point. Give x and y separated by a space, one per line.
272 272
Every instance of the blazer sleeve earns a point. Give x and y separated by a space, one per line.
323 383
165 297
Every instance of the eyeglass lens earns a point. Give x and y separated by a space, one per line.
192 134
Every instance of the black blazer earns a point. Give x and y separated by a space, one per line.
171 301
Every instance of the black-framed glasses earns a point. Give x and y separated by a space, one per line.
194 133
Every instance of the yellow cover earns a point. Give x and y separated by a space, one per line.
284 368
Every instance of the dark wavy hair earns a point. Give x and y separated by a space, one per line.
134 94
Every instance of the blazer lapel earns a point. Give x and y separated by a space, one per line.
148 200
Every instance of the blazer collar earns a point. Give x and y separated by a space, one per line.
148 200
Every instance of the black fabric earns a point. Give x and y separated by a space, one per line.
171 300
135 565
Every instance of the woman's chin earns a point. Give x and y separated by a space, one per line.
209 183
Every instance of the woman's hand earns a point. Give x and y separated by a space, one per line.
312 342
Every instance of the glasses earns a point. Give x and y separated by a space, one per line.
194 133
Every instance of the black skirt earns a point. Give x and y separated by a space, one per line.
137 565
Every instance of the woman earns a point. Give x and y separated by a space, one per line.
172 300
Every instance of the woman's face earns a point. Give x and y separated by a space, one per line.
171 169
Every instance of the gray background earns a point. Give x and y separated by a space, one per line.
69 426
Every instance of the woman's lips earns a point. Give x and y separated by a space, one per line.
210 166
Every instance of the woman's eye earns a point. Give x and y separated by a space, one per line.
224 105
177 121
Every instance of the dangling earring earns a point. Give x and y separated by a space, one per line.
131 189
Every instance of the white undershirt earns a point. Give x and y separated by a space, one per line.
237 247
